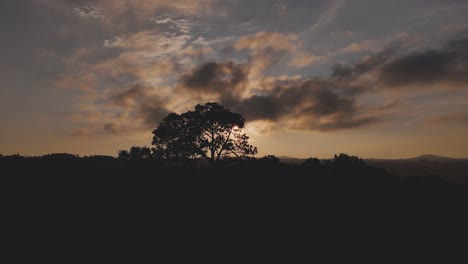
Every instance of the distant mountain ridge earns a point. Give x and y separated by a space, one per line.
287 159
435 158
452 169
424 157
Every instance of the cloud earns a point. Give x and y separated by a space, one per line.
447 65
80 132
174 23
197 52
454 27
263 40
106 128
136 68
76 80
456 118
301 59
364 45
339 123
122 15
152 112
280 9
147 7
387 68
225 79
143 103
118 16
268 48
112 128
128 79
311 104
88 12
211 42
303 104
326 17
148 70
153 43
342 71
130 97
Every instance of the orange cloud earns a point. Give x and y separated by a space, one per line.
146 8
265 46
263 40
303 59
190 51
80 132
358 46
457 117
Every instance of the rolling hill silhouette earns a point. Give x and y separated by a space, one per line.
428 157
452 169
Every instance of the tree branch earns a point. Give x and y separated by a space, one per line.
224 144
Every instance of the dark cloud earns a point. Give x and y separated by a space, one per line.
152 113
326 102
258 107
224 79
460 45
312 104
112 128
142 103
341 123
128 97
308 102
342 71
449 64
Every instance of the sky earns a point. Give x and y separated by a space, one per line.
376 79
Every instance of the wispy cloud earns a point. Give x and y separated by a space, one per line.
453 118
303 59
173 23
88 12
280 8
80 132
326 17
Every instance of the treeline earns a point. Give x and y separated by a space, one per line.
262 185
139 161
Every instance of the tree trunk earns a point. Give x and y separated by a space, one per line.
212 150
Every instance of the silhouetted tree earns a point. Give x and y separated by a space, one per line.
139 153
347 161
175 137
269 160
135 153
345 165
123 154
312 163
210 132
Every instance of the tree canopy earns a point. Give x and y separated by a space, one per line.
210 131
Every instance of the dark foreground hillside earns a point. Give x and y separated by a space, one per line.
245 205
344 177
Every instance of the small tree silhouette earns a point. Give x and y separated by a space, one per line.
123 154
210 132
135 153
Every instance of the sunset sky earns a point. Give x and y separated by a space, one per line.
376 79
